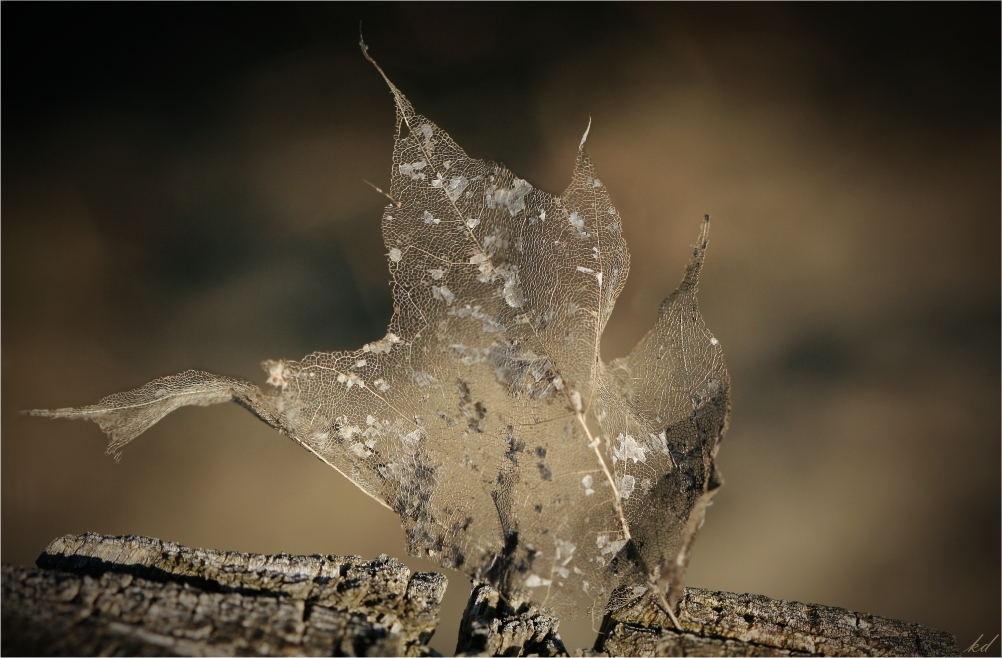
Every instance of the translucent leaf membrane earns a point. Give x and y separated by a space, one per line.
485 417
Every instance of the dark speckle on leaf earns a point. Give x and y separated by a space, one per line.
544 471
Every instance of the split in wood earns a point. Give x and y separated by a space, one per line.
96 595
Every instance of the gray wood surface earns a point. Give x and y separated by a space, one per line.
728 624
494 627
96 595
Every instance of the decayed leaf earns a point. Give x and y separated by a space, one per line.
485 417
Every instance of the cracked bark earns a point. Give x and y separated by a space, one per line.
493 627
728 624
95 595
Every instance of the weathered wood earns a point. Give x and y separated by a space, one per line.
96 595
99 595
492 627
727 624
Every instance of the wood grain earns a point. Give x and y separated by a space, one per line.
98 595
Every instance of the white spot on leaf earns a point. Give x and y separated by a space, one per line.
382 346
513 199
442 293
490 323
347 432
414 436
456 187
276 375
626 485
608 545
565 552
424 379
628 448
536 581
512 289
414 169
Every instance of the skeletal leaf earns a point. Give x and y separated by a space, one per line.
485 417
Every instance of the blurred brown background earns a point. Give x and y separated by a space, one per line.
182 188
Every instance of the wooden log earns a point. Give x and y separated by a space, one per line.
96 595
494 627
728 624
713 624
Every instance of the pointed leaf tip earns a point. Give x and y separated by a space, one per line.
403 105
584 137
704 233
